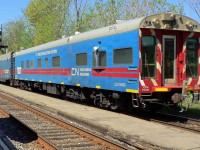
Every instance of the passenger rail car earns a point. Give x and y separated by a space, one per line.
135 63
5 62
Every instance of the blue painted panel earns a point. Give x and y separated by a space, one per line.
5 69
83 74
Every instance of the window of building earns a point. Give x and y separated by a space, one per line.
81 59
148 56
123 56
39 63
56 61
101 59
22 64
192 58
28 64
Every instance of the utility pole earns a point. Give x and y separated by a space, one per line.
2 46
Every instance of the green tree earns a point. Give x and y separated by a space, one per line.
76 16
106 13
48 19
141 8
95 14
18 34
109 12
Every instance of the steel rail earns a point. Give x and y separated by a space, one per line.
41 141
182 124
106 143
11 145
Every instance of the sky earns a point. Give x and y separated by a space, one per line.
11 10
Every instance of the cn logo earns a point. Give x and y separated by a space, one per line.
75 71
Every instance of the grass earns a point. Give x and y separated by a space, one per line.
193 111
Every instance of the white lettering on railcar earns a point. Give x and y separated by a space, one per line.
6 71
19 70
120 84
112 28
81 71
145 88
75 71
46 52
196 87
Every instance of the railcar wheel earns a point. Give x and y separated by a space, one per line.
114 107
97 101
23 86
104 101
117 105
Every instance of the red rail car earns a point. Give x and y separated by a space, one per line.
170 58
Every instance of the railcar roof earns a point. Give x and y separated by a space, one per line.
101 32
5 56
166 21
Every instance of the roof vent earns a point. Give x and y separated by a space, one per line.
166 16
76 33
120 21
156 21
172 17
189 24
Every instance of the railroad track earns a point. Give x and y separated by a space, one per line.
5 143
189 124
54 133
15 136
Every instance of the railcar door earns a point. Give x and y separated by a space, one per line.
169 56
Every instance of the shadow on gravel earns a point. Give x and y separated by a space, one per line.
16 131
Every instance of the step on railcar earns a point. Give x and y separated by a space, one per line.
136 63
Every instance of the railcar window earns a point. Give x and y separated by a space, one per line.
46 61
27 64
81 59
192 58
148 56
22 64
32 63
101 58
123 56
56 61
39 63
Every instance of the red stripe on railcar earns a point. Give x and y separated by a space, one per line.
115 72
115 75
2 71
56 71
106 70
